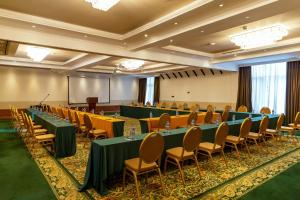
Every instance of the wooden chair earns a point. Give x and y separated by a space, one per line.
225 115
210 108
163 105
185 106
174 105
150 152
61 113
265 110
255 137
148 104
291 128
228 107
242 108
71 120
275 133
81 127
163 119
95 133
208 117
190 145
296 123
233 141
208 148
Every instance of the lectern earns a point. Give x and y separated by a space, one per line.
92 101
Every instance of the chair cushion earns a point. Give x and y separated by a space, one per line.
233 139
134 165
37 126
271 132
286 128
40 131
45 137
253 135
98 132
177 151
207 146
292 125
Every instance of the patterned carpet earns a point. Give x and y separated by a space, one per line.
230 182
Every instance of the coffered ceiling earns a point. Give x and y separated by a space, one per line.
169 35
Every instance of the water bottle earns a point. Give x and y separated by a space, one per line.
273 112
151 115
167 126
132 133
250 115
233 117
193 122
177 113
102 113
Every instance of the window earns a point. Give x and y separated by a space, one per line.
269 86
150 90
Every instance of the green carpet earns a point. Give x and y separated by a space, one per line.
20 177
283 186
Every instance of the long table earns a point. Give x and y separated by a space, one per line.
107 157
113 126
65 133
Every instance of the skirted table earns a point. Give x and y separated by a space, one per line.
65 133
176 121
113 126
106 158
139 112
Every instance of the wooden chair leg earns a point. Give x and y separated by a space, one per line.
247 147
211 160
237 151
223 155
161 181
137 185
197 164
181 172
165 165
124 176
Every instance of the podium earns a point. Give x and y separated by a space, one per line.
92 101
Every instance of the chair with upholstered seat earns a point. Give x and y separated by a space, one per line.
265 110
185 106
91 131
188 151
148 104
150 152
210 108
61 113
228 107
291 128
275 133
208 117
163 119
163 105
234 141
81 127
191 120
174 105
208 148
296 123
242 108
256 137
71 120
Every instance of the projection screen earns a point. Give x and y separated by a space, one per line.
82 87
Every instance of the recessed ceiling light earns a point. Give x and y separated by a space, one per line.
212 43
33 26
247 17
171 40
175 23
82 76
221 5
146 35
202 31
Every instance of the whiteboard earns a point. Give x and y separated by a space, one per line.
82 87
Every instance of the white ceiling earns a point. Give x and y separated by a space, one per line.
179 33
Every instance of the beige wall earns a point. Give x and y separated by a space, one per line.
218 90
23 87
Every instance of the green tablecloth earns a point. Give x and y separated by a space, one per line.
107 157
144 112
65 133
118 128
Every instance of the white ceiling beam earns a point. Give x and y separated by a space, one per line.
76 58
29 61
201 23
92 59
188 51
31 65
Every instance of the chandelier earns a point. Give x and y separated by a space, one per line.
37 54
104 5
259 37
132 64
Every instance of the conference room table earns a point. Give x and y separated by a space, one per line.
106 157
65 132
113 126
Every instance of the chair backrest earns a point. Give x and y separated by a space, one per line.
24 120
30 125
174 105
148 104
61 113
264 125
225 115
77 119
280 121
208 117
163 119
228 107
191 139
221 134
265 110
185 106
245 128
297 119
242 108
87 122
192 116
210 107
151 148
70 116
163 105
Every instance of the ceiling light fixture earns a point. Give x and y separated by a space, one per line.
146 35
33 26
212 43
175 23
132 64
171 40
259 37
221 5
103 5
37 54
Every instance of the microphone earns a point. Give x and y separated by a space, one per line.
44 98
